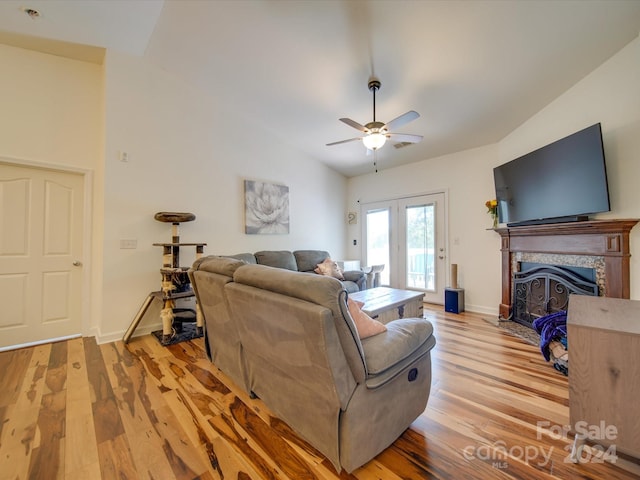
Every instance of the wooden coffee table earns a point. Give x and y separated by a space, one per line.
386 304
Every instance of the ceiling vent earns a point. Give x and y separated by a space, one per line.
402 144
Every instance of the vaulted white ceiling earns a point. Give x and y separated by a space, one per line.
474 70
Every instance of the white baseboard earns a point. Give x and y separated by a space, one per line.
483 310
115 336
39 342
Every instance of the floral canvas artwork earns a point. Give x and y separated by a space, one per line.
266 207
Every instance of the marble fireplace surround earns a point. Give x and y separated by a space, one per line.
599 244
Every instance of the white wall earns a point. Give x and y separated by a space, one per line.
52 115
610 95
51 108
185 155
467 179
188 154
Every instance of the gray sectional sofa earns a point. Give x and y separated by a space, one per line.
302 261
288 337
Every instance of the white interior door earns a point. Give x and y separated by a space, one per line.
41 226
407 235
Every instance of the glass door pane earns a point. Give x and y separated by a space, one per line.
421 245
378 241
420 271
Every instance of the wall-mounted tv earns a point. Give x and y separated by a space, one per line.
561 182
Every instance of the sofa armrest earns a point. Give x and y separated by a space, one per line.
216 264
356 276
389 353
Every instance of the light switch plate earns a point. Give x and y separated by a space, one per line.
128 244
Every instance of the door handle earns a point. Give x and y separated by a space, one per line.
77 263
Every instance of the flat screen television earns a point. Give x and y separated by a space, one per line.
560 182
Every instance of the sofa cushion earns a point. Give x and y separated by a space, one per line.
366 326
249 258
307 260
277 258
330 268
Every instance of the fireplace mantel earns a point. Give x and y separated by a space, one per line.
605 238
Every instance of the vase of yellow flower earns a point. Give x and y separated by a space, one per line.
492 209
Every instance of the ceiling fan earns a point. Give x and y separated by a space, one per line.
376 133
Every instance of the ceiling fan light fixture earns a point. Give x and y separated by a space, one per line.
376 133
374 141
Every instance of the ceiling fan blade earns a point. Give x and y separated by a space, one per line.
401 120
344 141
404 137
354 124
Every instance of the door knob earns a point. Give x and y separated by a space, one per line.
77 263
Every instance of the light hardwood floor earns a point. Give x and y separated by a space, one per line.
77 410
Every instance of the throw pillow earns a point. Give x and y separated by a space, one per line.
366 326
330 268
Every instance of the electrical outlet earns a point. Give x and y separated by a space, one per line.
128 244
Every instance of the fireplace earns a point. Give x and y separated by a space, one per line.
601 245
540 290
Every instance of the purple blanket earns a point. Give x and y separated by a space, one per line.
550 327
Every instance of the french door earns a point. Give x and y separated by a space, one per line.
407 236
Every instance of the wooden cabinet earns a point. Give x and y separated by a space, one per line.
604 371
